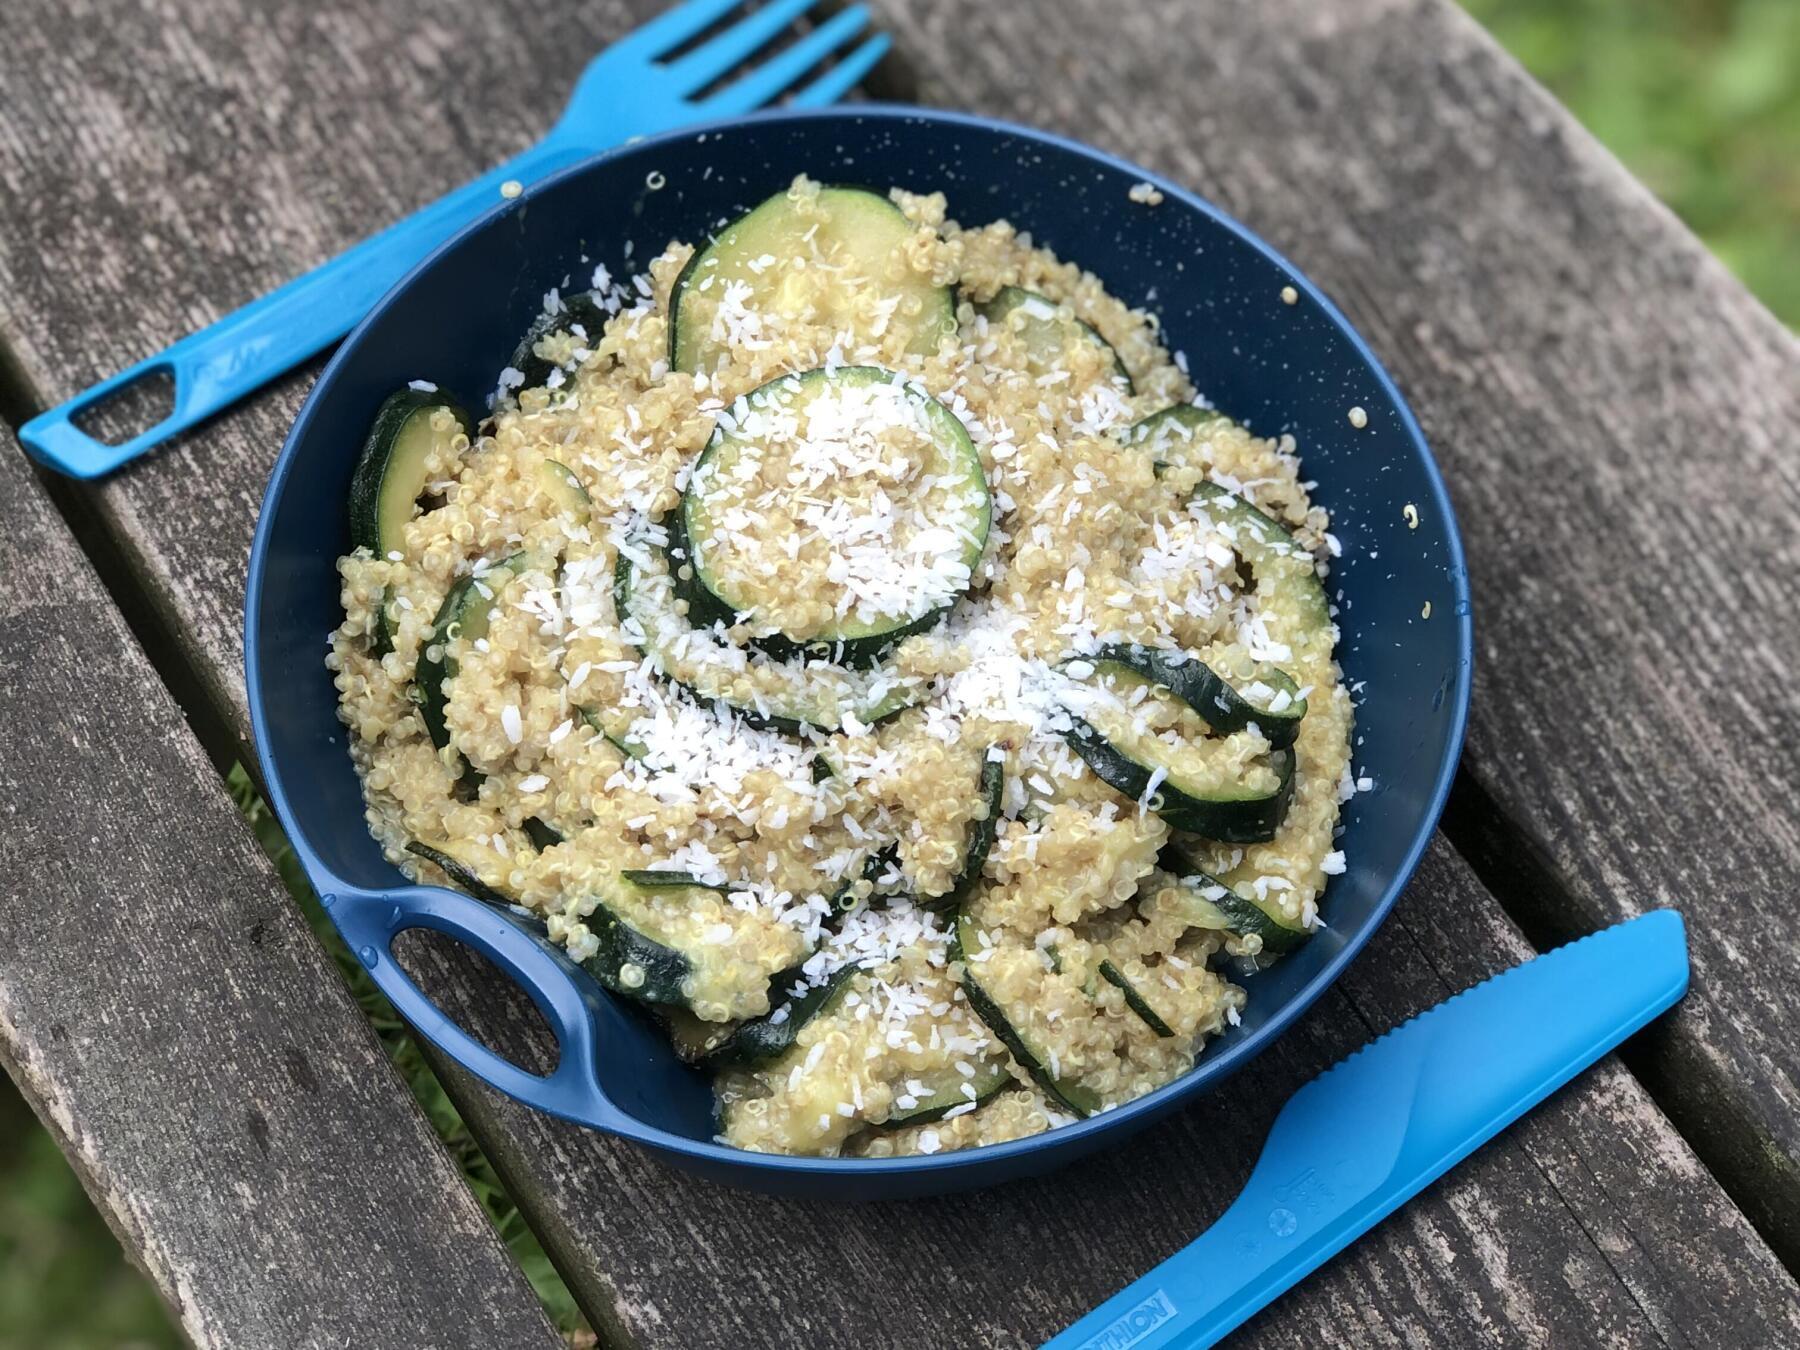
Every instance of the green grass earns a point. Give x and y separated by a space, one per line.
403 1050
64 1283
1699 98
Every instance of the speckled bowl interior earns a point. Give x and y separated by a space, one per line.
1276 366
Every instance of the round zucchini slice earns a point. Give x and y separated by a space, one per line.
786 695
948 1092
1262 696
835 512
413 429
983 830
1167 434
965 945
463 617
578 311
760 264
1287 579
1207 902
1143 740
1047 330
563 488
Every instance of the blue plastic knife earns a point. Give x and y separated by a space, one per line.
1368 1134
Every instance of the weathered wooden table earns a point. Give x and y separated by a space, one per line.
1620 426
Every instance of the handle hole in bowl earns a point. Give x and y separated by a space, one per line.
488 1005
130 410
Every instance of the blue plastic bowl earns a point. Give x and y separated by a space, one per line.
1218 288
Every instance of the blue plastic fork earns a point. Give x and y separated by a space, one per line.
626 91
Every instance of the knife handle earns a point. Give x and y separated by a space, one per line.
1368 1134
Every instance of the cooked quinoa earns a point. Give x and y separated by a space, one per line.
943 523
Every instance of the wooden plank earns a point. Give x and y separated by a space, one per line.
169 1015
1620 426
1591 1224
636 1242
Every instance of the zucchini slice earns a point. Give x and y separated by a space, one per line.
391 475
835 512
1046 330
460 872
1134 1000
563 488
1208 902
394 468
1266 698
1167 433
1287 578
614 726
632 965
850 895
990 1081
1207 785
658 945
786 695
578 311
1071 1096
463 617
695 1041
541 834
983 830
757 266
765 1038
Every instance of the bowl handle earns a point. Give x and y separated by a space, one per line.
370 921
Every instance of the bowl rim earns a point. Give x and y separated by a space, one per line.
1207 1071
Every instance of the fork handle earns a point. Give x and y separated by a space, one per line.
244 350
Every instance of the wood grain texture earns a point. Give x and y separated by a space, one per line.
240 149
1619 423
1590 1224
171 1018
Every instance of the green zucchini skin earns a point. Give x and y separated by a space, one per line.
460 873
577 309
1177 424
1241 914
1275 558
694 1040
856 643
464 613
790 713
388 480
390 476
845 899
615 732
989 1083
665 970
1133 999
542 834
653 878
769 1037
982 833
1072 1097
1009 299
564 488
1209 693
1249 819
862 219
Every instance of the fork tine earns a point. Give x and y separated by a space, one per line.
652 39
734 45
841 78
768 81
